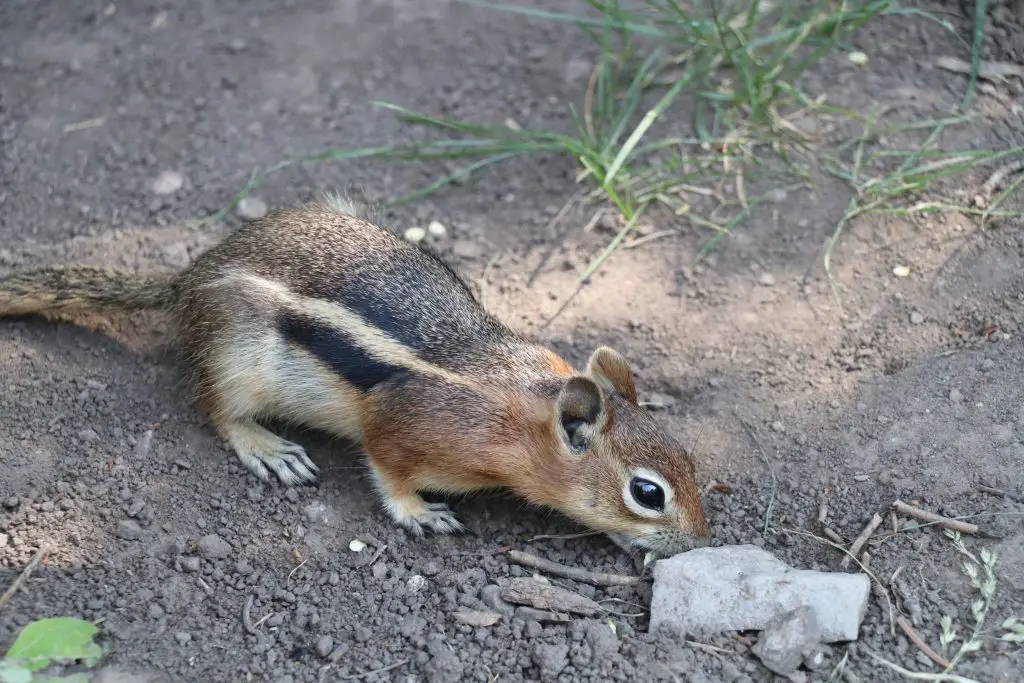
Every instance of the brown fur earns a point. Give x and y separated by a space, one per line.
442 396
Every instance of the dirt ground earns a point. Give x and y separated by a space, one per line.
913 390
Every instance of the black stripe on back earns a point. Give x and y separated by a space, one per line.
337 350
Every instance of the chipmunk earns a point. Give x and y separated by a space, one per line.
319 317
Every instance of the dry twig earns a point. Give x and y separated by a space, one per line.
945 522
904 624
574 573
23 577
832 536
876 521
247 615
383 669
921 676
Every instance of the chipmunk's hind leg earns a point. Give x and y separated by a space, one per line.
262 452
241 384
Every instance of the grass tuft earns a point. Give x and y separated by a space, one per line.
734 67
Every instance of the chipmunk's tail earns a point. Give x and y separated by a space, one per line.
81 289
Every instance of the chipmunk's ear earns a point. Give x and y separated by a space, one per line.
580 412
609 369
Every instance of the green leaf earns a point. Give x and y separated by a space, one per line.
1012 637
59 638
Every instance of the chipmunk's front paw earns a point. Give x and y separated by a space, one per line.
262 452
418 517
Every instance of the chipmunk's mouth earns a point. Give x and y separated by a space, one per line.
657 546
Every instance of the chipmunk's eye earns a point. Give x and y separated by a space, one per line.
647 494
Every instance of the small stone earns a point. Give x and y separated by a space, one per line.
778 427
3 540
155 611
437 229
11 503
477 618
766 279
168 182
89 435
901 271
183 638
416 583
128 530
431 569
214 547
190 563
415 235
490 595
356 545
956 396
251 208
784 641
916 318
817 658
857 58
324 646
744 588
292 495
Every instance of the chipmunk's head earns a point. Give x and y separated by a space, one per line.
631 479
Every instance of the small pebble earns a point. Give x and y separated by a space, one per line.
183 637
766 279
916 318
166 183
292 495
415 235
11 503
324 646
778 427
128 530
251 208
437 229
416 583
956 396
190 563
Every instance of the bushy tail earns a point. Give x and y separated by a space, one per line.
79 289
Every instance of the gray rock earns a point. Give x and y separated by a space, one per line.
324 646
128 530
766 280
550 659
214 547
783 643
4 538
190 563
183 637
916 318
743 588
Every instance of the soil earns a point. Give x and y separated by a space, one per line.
913 388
